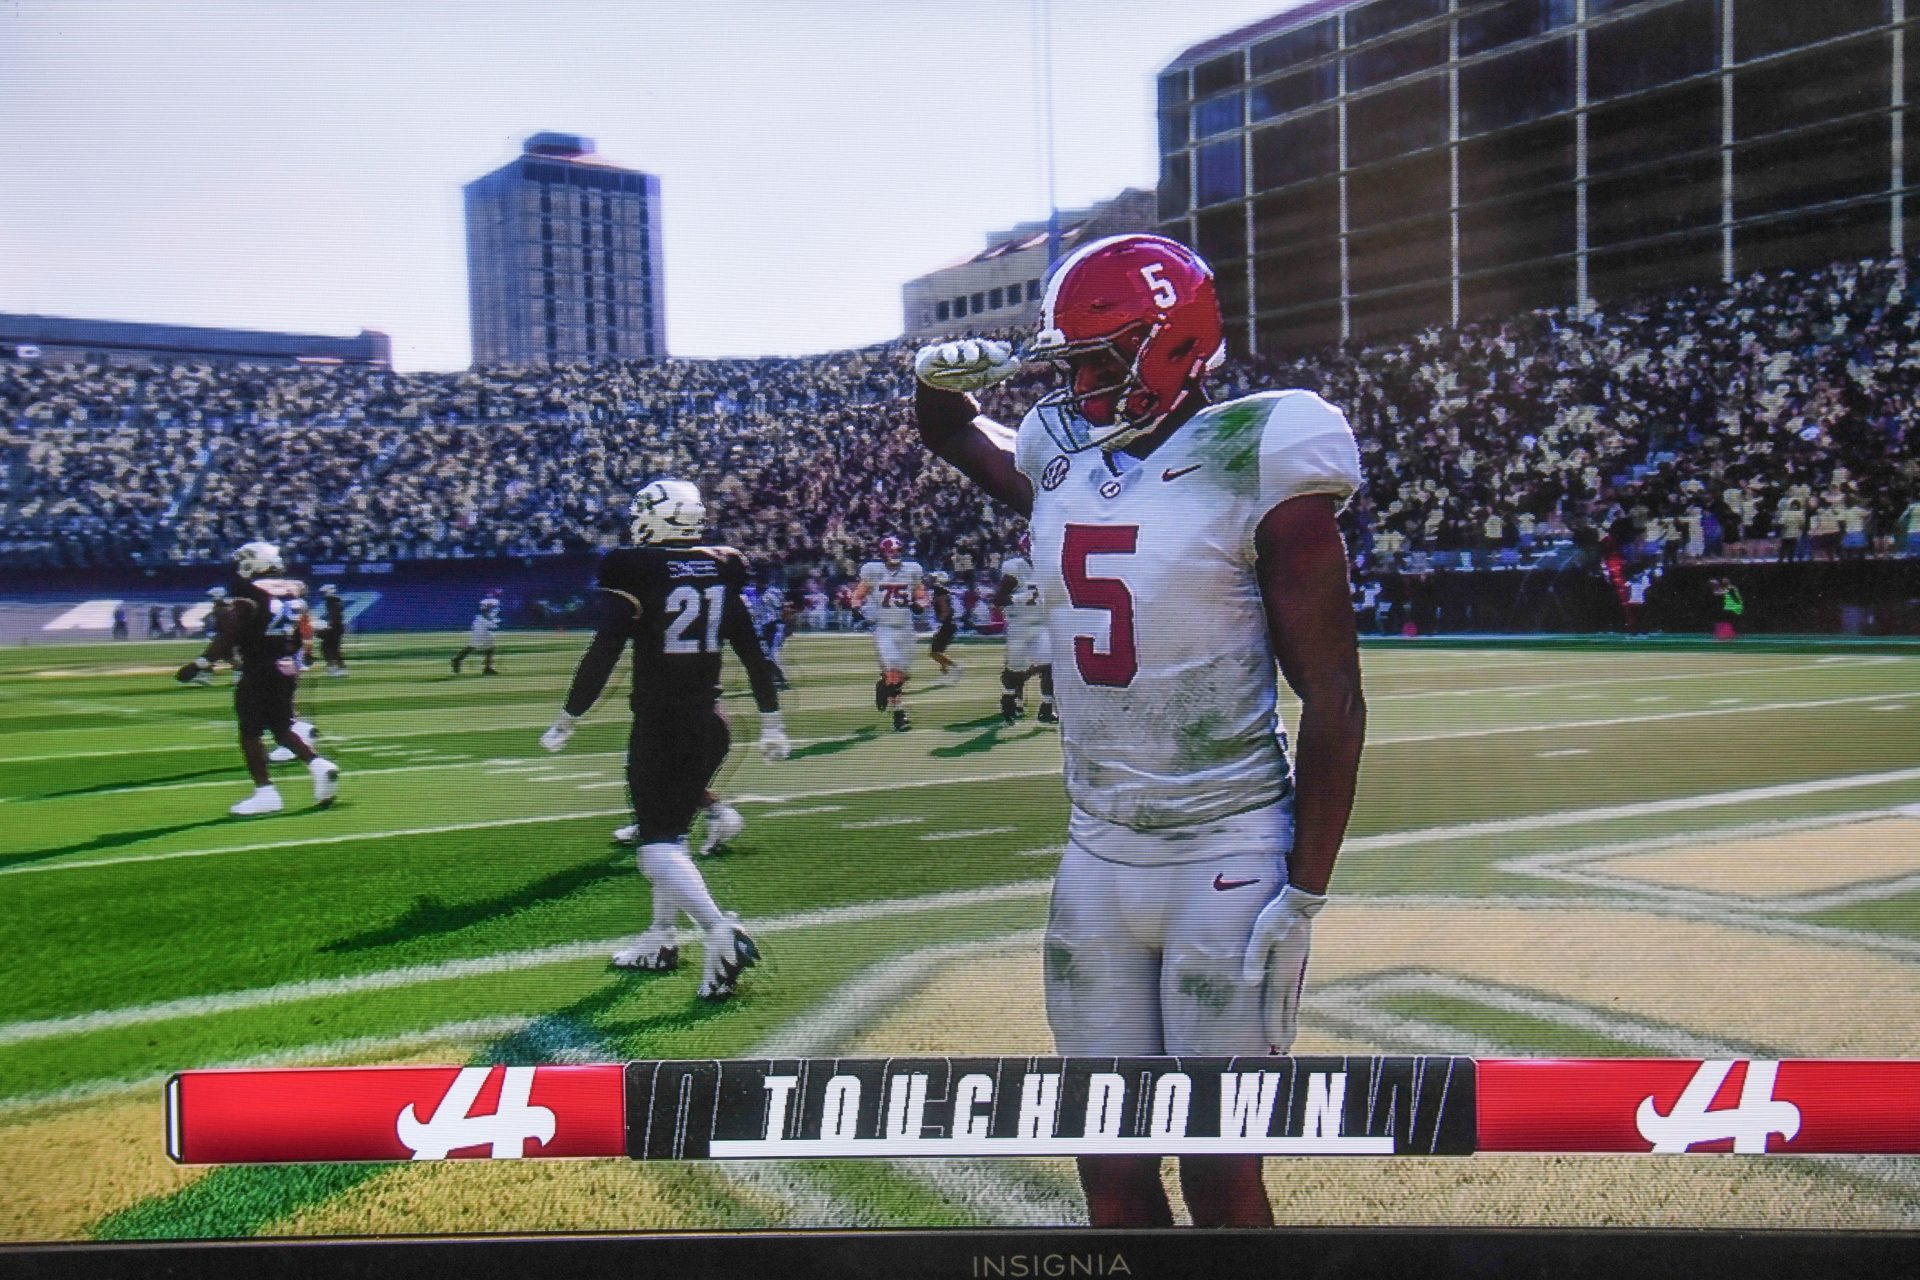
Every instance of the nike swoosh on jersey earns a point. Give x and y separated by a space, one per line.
1223 884
1174 473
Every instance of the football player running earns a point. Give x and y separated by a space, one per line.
260 627
894 584
1028 651
1182 548
480 637
676 602
946 622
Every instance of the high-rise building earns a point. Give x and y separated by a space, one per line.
1000 287
1362 167
563 258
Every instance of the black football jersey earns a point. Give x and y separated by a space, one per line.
266 628
686 605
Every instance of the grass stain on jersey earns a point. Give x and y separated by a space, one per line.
1060 967
1210 994
1236 432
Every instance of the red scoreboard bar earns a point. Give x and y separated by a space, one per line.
794 1108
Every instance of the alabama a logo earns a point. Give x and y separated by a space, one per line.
1056 472
454 1125
1758 1116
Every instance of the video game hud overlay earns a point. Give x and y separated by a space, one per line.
974 1107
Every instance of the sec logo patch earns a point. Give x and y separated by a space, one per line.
1056 472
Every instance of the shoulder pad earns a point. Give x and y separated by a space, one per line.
1306 447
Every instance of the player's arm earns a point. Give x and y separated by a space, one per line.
950 422
617 611
736 627
1302 568
859 596
219 649
1003 594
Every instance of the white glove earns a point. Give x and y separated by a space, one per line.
556 737
1277 954
965 365
774 743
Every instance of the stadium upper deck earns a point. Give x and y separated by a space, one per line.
1778 405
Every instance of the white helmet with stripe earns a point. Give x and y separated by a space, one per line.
668 511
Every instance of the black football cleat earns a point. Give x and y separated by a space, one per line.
1009 709
900 722
1047 714
730 953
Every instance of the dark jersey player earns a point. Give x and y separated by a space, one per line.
333 629
259 630
946 621
676 602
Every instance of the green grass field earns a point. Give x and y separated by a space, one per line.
1558 849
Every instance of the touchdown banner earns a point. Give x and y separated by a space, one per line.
973 1107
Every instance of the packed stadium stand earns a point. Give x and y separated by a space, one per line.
1770 417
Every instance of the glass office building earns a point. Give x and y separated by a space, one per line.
563 258
1355 169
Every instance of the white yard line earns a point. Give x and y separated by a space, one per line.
1621 812
1522 690
200 1005
1610 721
482 966
1395 740
333 1050
965 835
874 824
1577 866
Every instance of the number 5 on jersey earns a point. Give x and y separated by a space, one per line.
1115 667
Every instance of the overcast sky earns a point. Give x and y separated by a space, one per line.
280 164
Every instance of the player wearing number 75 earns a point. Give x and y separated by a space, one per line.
1183 548
675 601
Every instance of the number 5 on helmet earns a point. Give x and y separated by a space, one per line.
969 364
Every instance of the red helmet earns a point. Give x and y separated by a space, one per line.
1137 323
892 549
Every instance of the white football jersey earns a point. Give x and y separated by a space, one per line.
1164 672
1025 609
890 591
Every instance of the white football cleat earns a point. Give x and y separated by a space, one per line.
326 780
280 755
337 671
263 800
307 731
723 824
656 950
625 835
730 952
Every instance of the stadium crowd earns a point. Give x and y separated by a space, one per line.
1768 416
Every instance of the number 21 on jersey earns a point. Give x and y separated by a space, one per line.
1116 666
685 609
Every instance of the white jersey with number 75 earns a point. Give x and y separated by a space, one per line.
1164 672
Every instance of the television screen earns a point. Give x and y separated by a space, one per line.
1053 616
